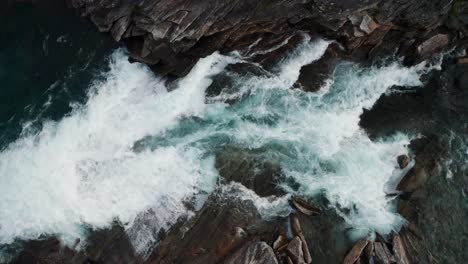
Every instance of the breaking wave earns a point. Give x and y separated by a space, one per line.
86 169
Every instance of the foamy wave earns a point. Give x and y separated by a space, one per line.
83 169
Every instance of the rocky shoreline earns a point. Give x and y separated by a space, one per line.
170 36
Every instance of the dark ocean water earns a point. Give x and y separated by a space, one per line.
48 56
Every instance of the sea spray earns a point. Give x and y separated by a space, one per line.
137 150
83 169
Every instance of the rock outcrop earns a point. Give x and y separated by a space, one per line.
172 35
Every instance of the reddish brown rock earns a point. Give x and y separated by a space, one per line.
295 252
403 161
305 207
355 252
255 252
383 254
399 250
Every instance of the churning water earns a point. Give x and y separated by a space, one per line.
137 150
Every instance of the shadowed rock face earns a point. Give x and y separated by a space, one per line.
172 34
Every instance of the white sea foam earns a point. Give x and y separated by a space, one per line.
322 146
268 207
83 169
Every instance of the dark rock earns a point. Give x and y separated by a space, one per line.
356 252
429 151
403 161
412 245
312 77
325 236
47 250
414 179
280 242
297 230
399 250
383 254
295 225
218 230
462 61
173 35
369 250
249 168
304 207
102 246
289 260
111 246
295 252
433 45
227 82
368 25
253 253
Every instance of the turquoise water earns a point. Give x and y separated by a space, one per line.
88 138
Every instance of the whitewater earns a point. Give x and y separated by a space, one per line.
137 151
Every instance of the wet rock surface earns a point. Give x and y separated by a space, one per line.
216 232
251 169
256 252
102 246
172 35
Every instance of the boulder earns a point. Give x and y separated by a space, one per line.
368 25
429 151
403 161
399 250
295 252
249 168
280 242
305 207
253 253
216 232
297 230
463 60
383 254
314 76
355 252
433 45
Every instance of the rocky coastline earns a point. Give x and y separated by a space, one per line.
170 37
